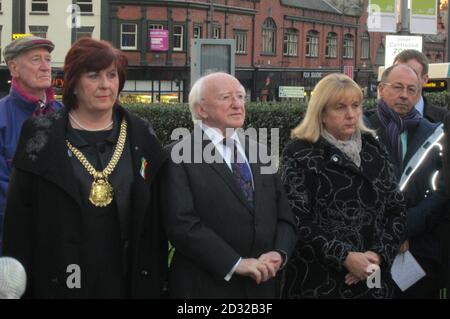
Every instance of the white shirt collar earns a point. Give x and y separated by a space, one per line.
216 136
420 105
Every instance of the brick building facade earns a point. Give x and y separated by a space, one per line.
282 42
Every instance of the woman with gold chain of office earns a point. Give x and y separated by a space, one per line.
82 210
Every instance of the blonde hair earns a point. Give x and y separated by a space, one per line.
328 91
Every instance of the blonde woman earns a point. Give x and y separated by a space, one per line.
341 187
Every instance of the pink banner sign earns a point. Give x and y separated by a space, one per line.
348 70
158 40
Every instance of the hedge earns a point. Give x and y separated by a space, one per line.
283 115
166 118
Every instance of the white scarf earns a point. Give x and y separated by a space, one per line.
351 148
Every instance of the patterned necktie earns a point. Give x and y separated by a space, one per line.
241 172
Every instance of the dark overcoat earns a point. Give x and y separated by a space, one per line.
43 221
340 208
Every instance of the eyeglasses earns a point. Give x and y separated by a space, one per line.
400 88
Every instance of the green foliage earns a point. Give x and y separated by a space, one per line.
165 118
441 99
369 104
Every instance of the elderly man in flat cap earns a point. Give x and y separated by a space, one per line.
31 94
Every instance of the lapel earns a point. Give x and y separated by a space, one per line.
145 148
371 149
51 161
416 138
383 140
334 156
223 171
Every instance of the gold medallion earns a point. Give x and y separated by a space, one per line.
101 193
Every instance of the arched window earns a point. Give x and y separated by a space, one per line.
312 43
349 46
290 43
365 46
269 31
331 47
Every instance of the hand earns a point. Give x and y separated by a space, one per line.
273 260
373 257
404 247
253 268
351 279
358 264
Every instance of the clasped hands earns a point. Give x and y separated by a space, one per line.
359 265
261 269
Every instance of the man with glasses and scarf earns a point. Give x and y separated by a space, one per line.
413 143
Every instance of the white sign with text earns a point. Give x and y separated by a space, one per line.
397 43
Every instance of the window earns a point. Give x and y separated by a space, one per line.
290 42
84 32
197 32
128 36
241 41
0 39
178 38
39 30
365 46
85 6
331 46
438 57
312 43
349 46
154 26
216 32
39 6
269 30
0 5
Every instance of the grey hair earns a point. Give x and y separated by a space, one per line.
195 97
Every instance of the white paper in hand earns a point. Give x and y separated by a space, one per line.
406 271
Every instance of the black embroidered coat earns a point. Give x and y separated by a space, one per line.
340 208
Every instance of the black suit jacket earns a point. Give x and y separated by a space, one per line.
211 225
433 113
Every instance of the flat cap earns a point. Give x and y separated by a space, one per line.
21 45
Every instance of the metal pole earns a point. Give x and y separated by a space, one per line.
448 32
211 20
404 14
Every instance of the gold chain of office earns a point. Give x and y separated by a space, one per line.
102 193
